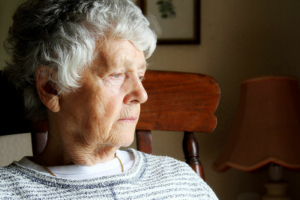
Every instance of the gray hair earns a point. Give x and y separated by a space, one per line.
63 34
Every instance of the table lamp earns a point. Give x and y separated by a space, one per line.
266 130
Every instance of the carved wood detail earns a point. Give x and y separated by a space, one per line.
191 152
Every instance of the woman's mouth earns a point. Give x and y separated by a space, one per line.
128 119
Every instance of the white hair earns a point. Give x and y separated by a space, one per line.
63 34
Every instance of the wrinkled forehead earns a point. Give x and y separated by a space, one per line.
116 52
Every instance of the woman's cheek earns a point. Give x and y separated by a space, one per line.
113 87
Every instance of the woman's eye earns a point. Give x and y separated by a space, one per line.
142 78
116 75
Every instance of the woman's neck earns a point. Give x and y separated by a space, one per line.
58 154
66 151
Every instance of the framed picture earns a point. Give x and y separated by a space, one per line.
174 21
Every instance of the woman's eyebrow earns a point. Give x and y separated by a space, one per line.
142 66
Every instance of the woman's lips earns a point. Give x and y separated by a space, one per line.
128 119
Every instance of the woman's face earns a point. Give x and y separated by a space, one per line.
106 108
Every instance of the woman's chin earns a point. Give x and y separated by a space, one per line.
127 141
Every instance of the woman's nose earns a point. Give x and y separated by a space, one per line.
137 92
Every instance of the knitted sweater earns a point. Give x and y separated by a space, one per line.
151 177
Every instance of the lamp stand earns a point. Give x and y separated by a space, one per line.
276 188
276 191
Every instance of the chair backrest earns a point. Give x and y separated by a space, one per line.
183 102
178 101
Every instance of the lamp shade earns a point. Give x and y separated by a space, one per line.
267 126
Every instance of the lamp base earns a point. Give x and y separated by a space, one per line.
276 191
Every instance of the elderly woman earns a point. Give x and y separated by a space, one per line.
81 64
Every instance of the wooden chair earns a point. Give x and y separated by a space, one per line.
176 102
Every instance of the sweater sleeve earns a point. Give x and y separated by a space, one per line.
180 174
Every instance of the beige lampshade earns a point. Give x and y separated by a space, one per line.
267 126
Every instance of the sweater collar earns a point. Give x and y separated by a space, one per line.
132 175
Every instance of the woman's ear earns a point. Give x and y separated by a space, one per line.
46 88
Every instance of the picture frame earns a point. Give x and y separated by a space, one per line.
174 21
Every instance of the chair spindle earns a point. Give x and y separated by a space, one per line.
191 152
39 140
144 141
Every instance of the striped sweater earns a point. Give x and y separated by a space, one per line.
151 177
